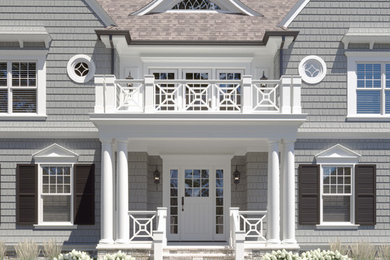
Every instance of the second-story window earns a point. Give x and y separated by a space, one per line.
196 5
373 88
18 87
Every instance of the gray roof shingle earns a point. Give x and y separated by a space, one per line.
197 26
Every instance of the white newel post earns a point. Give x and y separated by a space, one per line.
237 239
273 217
247 105
285 95
289 193
160 235
296 90
123 198
107 202
109 93
149 93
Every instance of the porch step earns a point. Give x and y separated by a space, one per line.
199 253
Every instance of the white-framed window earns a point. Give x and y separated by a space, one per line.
55 186
196 5
81 68
312 69
23 84
337 201
368 85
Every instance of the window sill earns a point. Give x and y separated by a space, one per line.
22 117
55 226
337 225
373 118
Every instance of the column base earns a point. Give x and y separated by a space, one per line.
289 241
273 241
106 241
122 241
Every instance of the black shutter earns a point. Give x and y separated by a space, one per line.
365 194
26 194
309 194
84 194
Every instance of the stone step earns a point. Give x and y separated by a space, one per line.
199 253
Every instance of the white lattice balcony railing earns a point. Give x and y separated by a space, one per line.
245 96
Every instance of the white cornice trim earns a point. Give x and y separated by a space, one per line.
293 13
100 12
233 6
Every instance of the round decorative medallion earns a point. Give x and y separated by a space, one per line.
81 68
312 69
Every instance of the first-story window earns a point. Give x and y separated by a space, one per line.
56 194
336 194
18 87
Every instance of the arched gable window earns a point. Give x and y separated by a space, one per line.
196 5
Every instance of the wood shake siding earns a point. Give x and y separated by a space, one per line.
321 25
71 24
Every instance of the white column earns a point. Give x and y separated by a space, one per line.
123 198
289 193
273 217
107 202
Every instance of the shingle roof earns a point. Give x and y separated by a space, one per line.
197 26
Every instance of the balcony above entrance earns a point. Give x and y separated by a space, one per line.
155 96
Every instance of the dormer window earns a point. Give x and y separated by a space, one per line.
200 6
196 5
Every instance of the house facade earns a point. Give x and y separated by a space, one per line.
194 129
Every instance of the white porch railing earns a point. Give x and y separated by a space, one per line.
245 226
149 226
217 96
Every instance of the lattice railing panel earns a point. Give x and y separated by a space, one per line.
129 95
266 96
252 223
142 224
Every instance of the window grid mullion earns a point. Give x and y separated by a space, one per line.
9 84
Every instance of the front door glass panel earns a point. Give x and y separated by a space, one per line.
174 189
196 182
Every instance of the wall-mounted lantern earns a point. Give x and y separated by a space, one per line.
156 176
236 176
263 85
129 78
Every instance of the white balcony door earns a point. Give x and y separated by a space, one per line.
195 198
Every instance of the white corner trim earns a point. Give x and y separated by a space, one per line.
336 225
71 67
293 13
55 153
317 63
160 6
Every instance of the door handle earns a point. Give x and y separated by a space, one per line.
182 203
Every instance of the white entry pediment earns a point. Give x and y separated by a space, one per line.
338 154
225 6
55 153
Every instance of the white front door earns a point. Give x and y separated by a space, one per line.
197 207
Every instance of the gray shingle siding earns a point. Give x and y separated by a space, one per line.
373 152
19 151
321 26
71 24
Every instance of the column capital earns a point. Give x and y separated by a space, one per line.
107 141
274 140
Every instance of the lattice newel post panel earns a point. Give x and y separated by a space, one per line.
160 235
149 94
296 96
285 95
247 99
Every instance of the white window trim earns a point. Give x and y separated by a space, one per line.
352 200
42 223
319 77
38 56
70 68
354 58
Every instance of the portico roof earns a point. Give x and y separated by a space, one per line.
193 26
